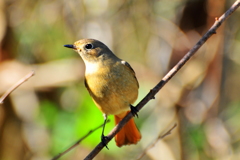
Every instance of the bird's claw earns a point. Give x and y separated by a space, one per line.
134 111
103 140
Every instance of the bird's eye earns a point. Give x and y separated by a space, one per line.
89 46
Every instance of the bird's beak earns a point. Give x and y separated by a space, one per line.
70 46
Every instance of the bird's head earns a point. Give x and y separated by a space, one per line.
92 50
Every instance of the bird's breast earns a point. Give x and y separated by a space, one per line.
113 88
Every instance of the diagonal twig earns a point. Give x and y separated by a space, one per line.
16 85
166 78
158 138
78 142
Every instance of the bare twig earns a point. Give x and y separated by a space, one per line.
158 138
166 78
15 86
77 143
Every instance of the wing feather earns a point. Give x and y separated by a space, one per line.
130 68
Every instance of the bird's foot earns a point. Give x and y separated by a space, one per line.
134 111
103 140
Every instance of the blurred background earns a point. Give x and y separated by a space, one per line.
52 110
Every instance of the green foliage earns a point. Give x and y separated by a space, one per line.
66 127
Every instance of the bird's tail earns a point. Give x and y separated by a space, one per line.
129 134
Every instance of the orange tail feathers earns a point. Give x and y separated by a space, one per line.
129 134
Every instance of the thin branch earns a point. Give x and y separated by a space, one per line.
78 142
158 138
166 78
16 85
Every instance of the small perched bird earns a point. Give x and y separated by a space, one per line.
112 84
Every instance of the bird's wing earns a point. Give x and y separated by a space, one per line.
130 68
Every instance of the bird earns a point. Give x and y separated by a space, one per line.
113 86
